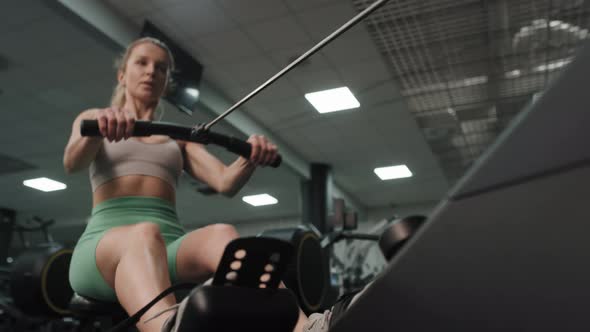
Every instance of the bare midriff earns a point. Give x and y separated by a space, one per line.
134 185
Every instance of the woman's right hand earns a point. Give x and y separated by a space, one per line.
115 123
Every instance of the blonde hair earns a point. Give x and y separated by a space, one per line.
118 97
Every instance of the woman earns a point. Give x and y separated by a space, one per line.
134 247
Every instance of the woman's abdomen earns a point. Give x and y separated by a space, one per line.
134 185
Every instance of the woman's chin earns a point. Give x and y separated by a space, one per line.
148 98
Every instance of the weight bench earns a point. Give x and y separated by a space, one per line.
94 314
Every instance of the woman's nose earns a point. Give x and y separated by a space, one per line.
150 69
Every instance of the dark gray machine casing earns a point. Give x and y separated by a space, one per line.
508 249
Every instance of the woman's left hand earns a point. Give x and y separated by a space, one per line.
263 152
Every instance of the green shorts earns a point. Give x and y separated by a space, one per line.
85 278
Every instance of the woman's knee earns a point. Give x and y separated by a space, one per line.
119 241
199 253
145 233
222 231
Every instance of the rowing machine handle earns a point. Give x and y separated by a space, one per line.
148 128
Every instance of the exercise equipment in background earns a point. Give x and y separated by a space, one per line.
309 273
39 275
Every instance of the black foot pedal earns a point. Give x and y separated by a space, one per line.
253 262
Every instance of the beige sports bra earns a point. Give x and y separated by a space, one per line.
133 157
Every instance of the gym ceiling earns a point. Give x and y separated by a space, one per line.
437 82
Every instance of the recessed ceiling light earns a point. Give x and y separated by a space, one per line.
512 74
192 92
259 200
44 184
332 100
552 65
393 172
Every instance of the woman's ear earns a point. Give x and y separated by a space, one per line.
121 77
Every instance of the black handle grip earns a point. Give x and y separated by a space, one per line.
148 128
238 146
90 128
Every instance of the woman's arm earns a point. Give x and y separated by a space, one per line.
80 151
114 124
228 180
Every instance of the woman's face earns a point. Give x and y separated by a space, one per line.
146 72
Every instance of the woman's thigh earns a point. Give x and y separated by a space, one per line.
198 252
92 260
116 241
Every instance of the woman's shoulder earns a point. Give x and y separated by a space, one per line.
192 145
181 144
88 113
